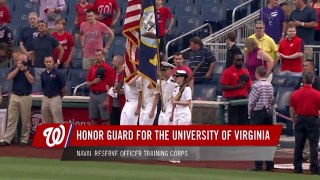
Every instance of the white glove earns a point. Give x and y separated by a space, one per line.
111 93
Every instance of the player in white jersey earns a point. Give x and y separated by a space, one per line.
148 102
130 111
181 108
167 87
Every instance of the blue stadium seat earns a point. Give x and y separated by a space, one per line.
6 86
10 5
213 13
23 6
4 73
283 105
37 72
216 82
189 23
175 32
205 92
219 67
78 54
76 64
278 81
293 81
231 4
277 69
76 77
118 30
20 18
119 51
208 2
187 10
119 42
15 32
180 1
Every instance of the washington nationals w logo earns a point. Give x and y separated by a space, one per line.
54 136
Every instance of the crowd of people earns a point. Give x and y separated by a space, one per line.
46 44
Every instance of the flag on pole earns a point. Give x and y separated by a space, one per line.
131 30
149 44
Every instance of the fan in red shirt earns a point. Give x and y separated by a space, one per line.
163 15
5 17
81 9
178 61
105 11
66 41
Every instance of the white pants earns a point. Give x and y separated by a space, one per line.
128 116
144 115
182 117
164 117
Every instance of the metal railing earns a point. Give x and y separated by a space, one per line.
184 35
76 88
240 6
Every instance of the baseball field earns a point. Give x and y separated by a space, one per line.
24 163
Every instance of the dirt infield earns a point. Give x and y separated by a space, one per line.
282 156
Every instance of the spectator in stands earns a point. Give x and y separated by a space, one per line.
163 15
117 98
50 10
105 12
6 35
81 9
100 79
291 53
232 48
315 4
178 59
274 18
197 54
54 88
265 42
259 107
28 34
236 84
66 40
20 101
44 45
5 16
4 55
308 66
306 20
305 115
257 57
92 33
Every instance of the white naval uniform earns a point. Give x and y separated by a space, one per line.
167 97
147 102
127 115
182 114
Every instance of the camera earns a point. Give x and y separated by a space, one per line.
25 63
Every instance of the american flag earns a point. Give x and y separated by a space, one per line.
131 31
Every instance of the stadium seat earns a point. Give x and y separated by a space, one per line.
20 18
219 67
76 77
208 2
6 86
76 64
231 4
205 92
283 104
4 73
216 82
293 81
277 69
278 81
119 42
188 23
37 72
213 13
78 54
180 1
187 10
10 5
23 6
118 30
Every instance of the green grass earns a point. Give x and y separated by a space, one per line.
33 169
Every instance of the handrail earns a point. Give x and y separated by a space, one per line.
76 88
183 35
236 8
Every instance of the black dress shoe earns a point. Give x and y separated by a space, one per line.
255 169
23 144
270 169
297 171
4 143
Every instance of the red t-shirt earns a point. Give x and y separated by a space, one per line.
67 42
306 106
163 15
4 14
183 67
231 77
105 7
81 12
288 48
109 77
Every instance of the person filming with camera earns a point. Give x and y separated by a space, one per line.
20 101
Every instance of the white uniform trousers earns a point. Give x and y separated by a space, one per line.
127 115
144 115
182 116
164 117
